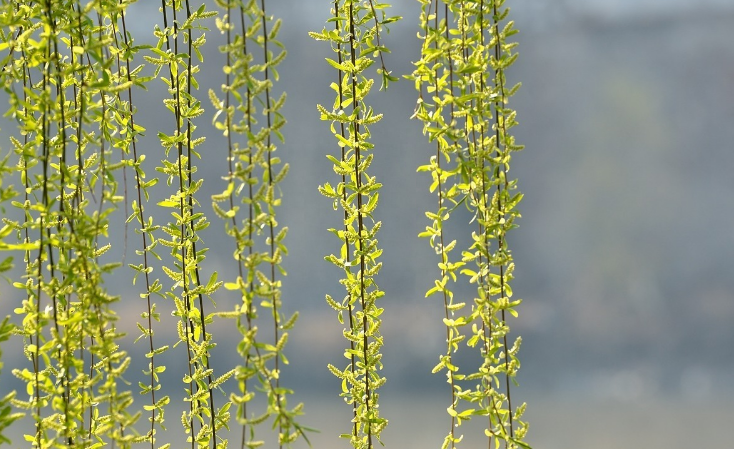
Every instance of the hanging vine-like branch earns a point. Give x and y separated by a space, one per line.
356 40
464 56
188 291
69 134
254 178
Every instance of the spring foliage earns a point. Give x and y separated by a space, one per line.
72 72
356 42
249 206
462 103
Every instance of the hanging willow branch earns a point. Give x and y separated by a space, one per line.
254 178
435 70
66 155
462 65
130 77
188 291
356 40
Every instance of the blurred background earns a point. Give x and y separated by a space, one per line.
623 253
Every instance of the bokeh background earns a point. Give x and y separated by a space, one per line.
624 252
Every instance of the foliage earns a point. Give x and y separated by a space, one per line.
67 114
71 72
187 292
356 40
252 178
465 113
7 417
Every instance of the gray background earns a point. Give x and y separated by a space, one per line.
623 253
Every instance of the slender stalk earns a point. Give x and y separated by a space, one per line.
360 244
35 338
175 86
271 223
141 217
357 194
189 176
53 58
442 247
343 133
249 313
252 165
231 177
500 126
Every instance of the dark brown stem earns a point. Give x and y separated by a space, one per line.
360 223
250 217
179 146
189 176
441 240
27 81
486 328
274 294
61 127
343 133
500 124
230 165
377 36
80 106
143 225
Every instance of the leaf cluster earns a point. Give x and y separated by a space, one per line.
63 86
462 103
356 42
176 48
248 208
